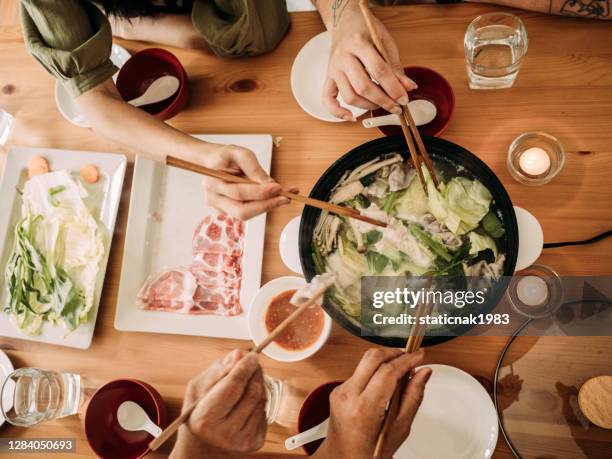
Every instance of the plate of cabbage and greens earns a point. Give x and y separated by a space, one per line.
463 229
58 212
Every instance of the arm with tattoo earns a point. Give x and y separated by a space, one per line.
593 9
331 10
597 9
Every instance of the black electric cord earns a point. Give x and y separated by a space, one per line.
599 237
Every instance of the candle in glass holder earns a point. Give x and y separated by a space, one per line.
534 161
532 290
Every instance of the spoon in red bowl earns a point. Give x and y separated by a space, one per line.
132 417
159 90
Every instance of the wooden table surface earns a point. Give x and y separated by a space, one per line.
564 88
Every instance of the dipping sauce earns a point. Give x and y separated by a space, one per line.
301 333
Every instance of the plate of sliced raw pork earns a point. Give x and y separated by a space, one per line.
188 269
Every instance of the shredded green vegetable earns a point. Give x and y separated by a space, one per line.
318 259
372 237
376 262
52 192
38 292
389 201
492 225
428 241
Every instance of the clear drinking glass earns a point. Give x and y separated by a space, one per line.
6 122
30 396
495 45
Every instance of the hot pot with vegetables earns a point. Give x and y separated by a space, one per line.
464 228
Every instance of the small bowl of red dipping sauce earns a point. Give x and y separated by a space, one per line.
303 337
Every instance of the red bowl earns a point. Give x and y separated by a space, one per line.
432 87
144 67
104 434
314 411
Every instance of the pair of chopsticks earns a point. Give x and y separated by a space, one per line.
227 177
174 426
411 132
413 344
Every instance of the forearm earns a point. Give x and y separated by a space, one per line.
329 450
596 9
332 10
167 29
134 129
188 446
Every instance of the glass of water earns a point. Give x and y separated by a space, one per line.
30 396
495 45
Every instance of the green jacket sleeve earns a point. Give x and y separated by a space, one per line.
235 28
72 39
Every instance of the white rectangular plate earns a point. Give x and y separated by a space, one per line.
103 202
165 208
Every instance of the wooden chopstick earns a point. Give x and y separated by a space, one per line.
227 177
413 152
406 120
285 323
419 141
413 344
174 426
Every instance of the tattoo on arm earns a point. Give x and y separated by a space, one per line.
337 9
599 9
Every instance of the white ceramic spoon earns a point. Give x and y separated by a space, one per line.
132 417
422 112
159 90
315 433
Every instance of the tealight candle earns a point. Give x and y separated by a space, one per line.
534 161
535 158
532 290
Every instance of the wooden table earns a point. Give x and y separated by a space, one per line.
564 88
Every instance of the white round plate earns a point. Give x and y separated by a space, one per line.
65 102
257 326
289 246
308 76
456 420
6 368
531 238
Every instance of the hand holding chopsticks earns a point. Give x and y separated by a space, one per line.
409 128
231 178
223 407
413 344
174 426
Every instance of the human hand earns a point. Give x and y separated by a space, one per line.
230 413
354 61
241 200
358 406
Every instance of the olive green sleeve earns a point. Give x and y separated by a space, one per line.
72 39
236 28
